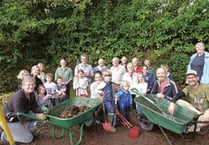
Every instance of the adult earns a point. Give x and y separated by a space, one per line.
20 76
124 62
165 66
117 72
137 68
87 68
164 87
41 72
101 66
148 77
200 62
23 101
198 94
67 75
35 70
151 70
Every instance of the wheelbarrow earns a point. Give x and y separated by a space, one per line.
154 111
66 124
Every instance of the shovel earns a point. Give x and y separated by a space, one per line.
134 130
106 125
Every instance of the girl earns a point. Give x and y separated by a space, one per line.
80 84
60 92
42 100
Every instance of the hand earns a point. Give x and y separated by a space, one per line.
41 116
171 108
159 95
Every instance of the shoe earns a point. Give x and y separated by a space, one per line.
112 129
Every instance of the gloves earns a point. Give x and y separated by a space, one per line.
41 116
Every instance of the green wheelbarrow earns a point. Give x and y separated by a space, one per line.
66 124
154 111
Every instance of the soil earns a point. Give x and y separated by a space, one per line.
95 135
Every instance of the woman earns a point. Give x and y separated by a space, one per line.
200 62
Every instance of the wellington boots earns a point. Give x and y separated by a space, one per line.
111 120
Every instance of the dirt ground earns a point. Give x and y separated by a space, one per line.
95 135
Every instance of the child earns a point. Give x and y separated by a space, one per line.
80 84
140 84
60 92
124 99
108 99
42 99
50 89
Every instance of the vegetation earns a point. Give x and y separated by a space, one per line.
46 30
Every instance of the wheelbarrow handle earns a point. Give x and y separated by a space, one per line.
136 91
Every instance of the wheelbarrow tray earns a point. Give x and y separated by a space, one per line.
67 123
158 113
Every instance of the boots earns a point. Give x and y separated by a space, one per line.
111 120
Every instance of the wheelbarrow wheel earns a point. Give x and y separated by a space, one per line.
144 123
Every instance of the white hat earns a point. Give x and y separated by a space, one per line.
191 72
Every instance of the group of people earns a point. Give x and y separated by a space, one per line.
37 91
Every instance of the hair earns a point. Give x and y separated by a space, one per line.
59 77
200 44
81 70
27 79
164 66
84 56
49 75
107 73
22 73
124 83
129 65
98 72
40 65
34 67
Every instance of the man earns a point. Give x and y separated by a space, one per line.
101 66
22 101
165 88
117 71
87 68
67 75
198 94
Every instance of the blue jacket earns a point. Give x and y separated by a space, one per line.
205 76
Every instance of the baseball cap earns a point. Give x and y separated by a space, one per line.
191 72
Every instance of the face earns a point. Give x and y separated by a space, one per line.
98 77
28 87
126 87
84 59
124 60
200 48
35 71
59 81
63 63
41 90
108 78
144 70
130 69
192 79
115 62
81 74
101 62
135 61
140 78
48 79
147 62
161 74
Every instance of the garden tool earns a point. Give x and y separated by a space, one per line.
134 130
106 125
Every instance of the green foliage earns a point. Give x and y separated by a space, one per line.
47 30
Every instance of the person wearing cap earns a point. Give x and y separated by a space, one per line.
198 94
200 62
